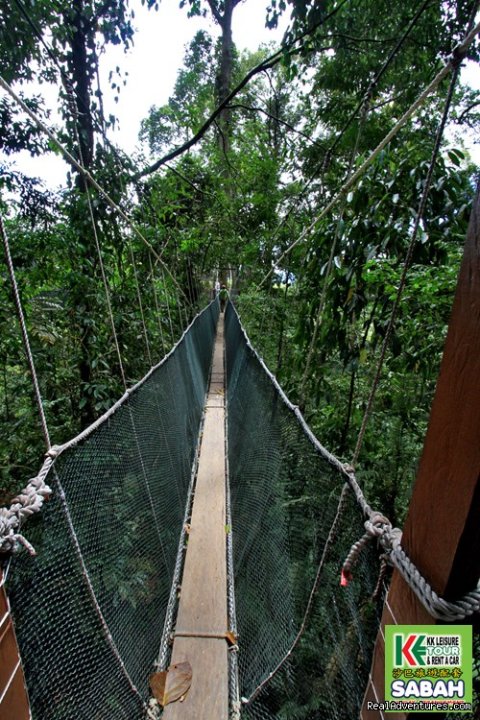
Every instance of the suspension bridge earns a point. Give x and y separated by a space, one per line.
202 555
113 595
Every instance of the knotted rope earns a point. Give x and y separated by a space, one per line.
28 502
379 528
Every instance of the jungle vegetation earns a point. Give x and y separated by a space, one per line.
227 196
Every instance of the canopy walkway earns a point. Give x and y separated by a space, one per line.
199 542
95 606
99 607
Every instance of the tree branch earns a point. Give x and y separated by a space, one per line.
252 108
215 12
467 110
261 67
209 122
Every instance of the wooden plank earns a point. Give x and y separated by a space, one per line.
215 401
442 533
217 387
14 703
203 599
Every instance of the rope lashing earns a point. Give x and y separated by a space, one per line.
28 502
375 527
379 528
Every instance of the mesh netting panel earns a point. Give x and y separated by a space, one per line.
284 498
115 537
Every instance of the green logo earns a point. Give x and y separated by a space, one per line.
428 668
411 651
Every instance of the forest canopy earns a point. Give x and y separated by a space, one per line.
234 169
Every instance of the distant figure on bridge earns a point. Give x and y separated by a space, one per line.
223 295
217 288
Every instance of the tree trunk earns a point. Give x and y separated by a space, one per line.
79 67
224 76
79 70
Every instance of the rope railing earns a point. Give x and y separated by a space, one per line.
377 528
110 546
389 539
30 500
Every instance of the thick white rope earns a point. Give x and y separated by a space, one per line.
31 498
28 502
389 538
10 540
377 526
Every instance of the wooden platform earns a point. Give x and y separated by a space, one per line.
203 599
13 694
442 532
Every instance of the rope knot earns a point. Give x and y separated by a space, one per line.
53 451
28 502
377 527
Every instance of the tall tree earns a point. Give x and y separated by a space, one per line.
69 56
75 40
222 13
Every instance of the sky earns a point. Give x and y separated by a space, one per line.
159 50
152 65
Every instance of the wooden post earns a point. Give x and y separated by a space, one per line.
442 529
202 621
14 703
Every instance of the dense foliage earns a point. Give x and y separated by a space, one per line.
229 206
232 205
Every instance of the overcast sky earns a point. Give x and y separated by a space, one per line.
152 66
158 54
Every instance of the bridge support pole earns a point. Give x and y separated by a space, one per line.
201 630
442 529
13 693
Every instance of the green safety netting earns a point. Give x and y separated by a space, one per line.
90 609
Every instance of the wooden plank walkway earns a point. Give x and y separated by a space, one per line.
203 599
